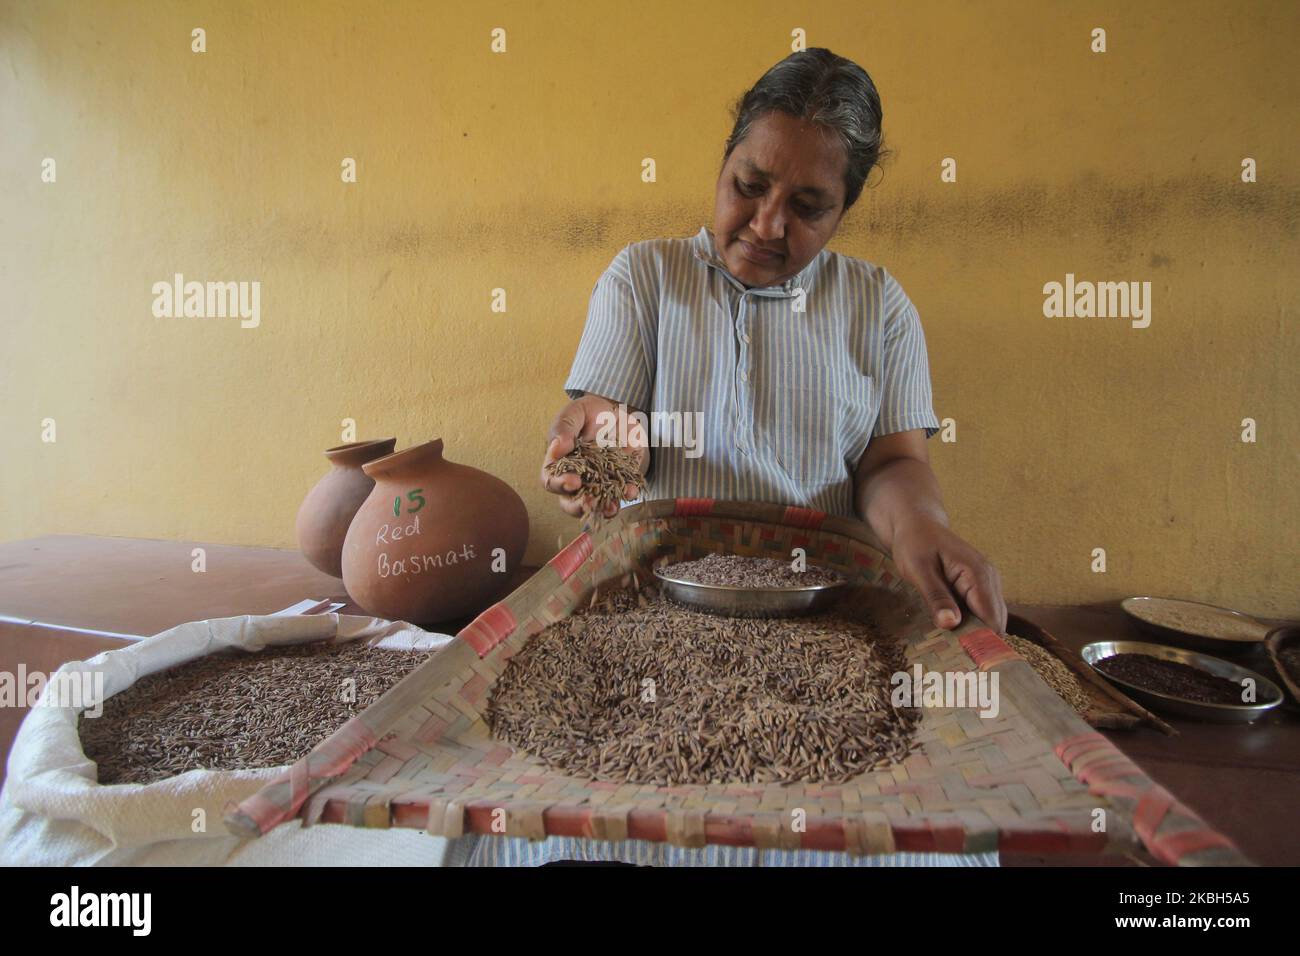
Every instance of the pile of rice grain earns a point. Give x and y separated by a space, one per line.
237 710
1054 671
638 689
734 570
605 472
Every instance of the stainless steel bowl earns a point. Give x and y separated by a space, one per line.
750 602
1269 694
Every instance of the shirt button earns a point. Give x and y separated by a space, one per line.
744 337
744 376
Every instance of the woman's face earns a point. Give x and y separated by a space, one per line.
781 190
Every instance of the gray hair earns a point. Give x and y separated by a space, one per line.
817 86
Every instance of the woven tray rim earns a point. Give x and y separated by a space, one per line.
311 789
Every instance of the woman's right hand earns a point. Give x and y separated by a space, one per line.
588 417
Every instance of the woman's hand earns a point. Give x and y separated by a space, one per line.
944 568
588 417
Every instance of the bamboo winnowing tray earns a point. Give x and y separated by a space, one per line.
1030 779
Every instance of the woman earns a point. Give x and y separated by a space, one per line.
828 407
807 368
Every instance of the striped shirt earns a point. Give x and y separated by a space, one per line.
788 383
479 850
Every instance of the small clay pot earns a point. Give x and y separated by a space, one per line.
326 512
434 540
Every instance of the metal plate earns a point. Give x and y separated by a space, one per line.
1188 637
1269 694
732 601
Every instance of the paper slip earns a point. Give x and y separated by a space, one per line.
309 606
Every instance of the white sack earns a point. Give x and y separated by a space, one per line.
53 812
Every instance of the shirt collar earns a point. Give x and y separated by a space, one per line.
704 248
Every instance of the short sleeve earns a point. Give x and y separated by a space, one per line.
615 355
905 397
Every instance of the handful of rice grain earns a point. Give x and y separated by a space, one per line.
605 471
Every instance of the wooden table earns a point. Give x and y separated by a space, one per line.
67 597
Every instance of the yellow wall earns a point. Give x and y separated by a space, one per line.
522 171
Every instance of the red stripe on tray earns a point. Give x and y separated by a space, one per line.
488 629
263 812
1153 803
1071 748
822 834
339 751
571 557
914 838
647 825
299 783
686 507
729 831
568 821
1150 812
331 758
1107 771
1172 848
803 517
986 649
1024 838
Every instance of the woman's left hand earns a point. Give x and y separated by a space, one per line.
944 568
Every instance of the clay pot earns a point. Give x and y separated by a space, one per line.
326 512
423 547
